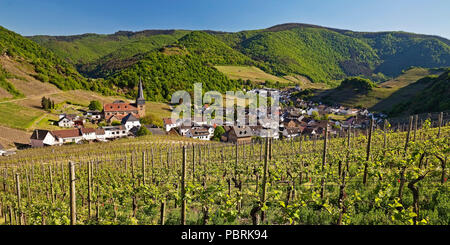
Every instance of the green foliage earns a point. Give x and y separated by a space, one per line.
143 131
360 85
116 123
47 103
152 120
9 87
164 74
315 115
218 132
95 105
48 67
318 54
87 48
212 50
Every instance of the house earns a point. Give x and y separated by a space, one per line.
119 109
114 132
94 115
183 130
69 121
169 124
100 134
199 133
238 134
292 132
67 136
310 131
130 122
88 134
41 138
173 132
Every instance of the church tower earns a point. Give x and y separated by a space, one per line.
140 100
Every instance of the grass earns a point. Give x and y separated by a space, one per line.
157 109
47 122
250 73
17 116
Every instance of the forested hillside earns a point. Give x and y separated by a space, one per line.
318 53
47 66
163 74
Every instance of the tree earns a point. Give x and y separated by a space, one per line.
116 123
152 119
143 131
325 116
315 115
218 132
95 105
47 103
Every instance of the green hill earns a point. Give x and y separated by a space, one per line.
318 53
163 74
83 49
435 97
46 65
381 97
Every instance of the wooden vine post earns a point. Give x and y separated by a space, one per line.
324 161
403 168
441 118
89 188
264 181
19 206
162 219
183 188
416 118
369 141
73 208
143 168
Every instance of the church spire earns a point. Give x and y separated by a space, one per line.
140 100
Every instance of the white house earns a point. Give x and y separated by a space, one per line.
184 130
130 122
291 132
169 124
88 133
67 136
65 123
199 133
113 132
41 138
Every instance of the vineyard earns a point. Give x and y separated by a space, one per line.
383 175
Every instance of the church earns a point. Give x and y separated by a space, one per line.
119 109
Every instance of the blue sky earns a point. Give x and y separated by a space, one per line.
66 17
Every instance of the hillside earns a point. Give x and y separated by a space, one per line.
319 54
383 96
45 66
434 97
83 49
163 74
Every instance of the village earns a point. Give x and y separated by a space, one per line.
120 119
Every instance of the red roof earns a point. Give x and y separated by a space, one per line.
68 133
87 130
119 107
167 121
